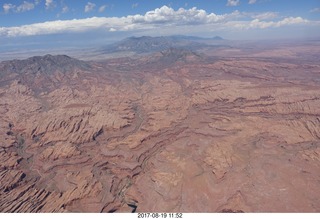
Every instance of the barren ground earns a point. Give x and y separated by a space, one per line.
170 132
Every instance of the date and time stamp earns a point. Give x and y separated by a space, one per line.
160 215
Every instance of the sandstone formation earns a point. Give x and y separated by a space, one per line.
171 132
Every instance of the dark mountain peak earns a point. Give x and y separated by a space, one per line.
42 72
52 59
217 38
139 38
46 64
55 57
184 37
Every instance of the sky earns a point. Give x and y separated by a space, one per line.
32 23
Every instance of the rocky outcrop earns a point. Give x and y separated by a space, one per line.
43 72
203 136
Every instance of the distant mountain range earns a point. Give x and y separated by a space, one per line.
181 37
148 44
48 71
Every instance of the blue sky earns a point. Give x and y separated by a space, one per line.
31 21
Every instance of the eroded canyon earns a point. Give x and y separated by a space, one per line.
175 131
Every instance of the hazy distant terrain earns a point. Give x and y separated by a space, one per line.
162 124
130 46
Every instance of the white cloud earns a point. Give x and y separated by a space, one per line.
7 7
103 8
171 20
89 7
233 2
315 10
36 2
265 15
182 16
290 21
65 9
252 1
62 26
134 5
50 4
25 6
257 24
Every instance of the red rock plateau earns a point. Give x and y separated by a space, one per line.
170 132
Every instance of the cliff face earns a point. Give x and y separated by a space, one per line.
123 135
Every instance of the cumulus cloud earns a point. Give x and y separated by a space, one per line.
25 6
257 24
50 4
290 20
89 7
8 7
103 8
233 2
252 2
165 16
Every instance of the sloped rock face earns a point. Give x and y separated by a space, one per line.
47 65
43 73
214 136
